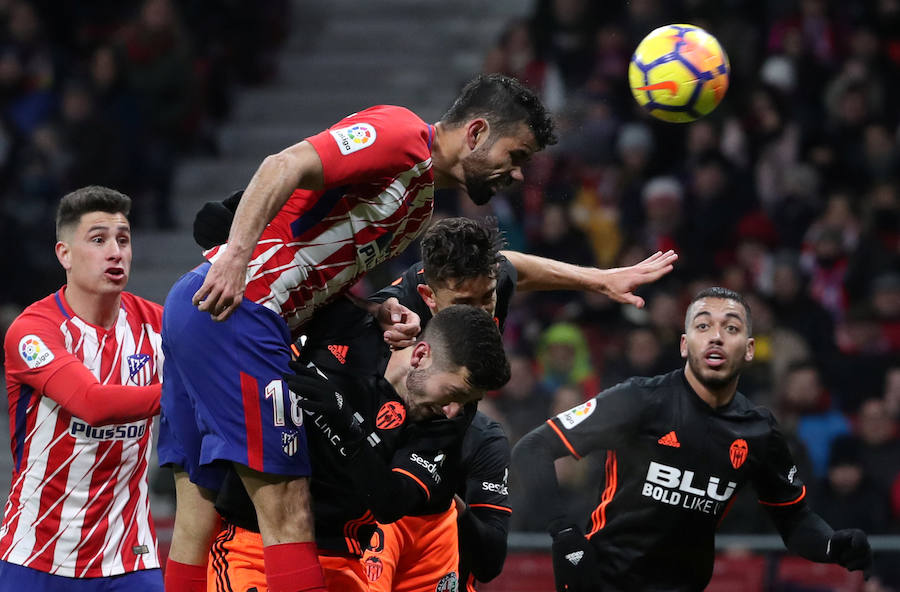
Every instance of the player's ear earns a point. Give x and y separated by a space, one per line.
751 350
64 255
683 346
427 296
421 355
477 132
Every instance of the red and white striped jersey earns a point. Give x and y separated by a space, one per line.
78 505
378 197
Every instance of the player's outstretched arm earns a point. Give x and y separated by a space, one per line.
575 562
277 177
619 283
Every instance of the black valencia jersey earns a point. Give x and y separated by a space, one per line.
346 345
673 466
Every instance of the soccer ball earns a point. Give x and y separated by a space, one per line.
679 73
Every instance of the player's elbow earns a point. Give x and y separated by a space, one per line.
492 565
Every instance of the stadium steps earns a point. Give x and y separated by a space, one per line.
342 55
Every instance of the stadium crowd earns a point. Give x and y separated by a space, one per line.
115 94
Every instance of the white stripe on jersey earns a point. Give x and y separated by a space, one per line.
32 484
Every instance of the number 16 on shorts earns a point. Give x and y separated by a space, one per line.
275 391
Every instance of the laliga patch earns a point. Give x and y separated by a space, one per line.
355 137
574 416
34 352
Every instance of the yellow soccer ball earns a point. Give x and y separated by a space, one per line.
679 73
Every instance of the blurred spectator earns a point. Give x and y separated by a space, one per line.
523 403
847 498
515 55
826 266
805 406
879 444
27 69
90 145
886 304
795 310
158 58
564 359
642 356
864 356
565 35
892 392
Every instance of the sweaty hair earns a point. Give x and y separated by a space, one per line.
466 336
92 198
505 103
721 294
457 249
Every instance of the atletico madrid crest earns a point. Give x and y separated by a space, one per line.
738 453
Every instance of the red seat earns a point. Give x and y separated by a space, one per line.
738 573
798 572
523 572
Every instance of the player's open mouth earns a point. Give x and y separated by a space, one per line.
714 358
115 273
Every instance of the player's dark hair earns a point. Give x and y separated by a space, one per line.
505 103
467 336
93 198
722 294
457 249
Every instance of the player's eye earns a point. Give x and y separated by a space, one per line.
124 240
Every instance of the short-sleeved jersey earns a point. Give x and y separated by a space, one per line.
674 464
378 197
404 290
78 505
346 345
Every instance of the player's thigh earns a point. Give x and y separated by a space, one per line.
236 562
232 372
429 558
380 557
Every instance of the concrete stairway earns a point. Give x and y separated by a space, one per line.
343 55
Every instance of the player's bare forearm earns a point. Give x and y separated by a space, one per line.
539 273
268 191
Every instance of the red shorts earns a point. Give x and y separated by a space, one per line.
414 554
236 564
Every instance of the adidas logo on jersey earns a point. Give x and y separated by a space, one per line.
670 439
339 352
575 558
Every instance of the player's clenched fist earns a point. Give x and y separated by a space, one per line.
850 548
574 561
